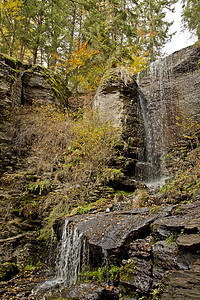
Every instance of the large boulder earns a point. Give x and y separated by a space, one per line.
117 101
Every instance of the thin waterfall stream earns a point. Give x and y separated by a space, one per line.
156 109
150 165
68 262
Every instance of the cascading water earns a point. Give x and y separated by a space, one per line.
68 261
69 257
149 167
156 107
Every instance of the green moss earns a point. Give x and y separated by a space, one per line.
114 273
119 192
62 209
158 291
14 63
111 174
58 85
96 275
172 238
39 187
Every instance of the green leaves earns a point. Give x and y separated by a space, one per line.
191 16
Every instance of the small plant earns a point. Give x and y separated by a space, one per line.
128 270
96 275
172 238
158 291
39 187
114 273
30 267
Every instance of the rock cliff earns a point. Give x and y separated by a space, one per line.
19 85
167 92
117 100
145 248
150 252
171 87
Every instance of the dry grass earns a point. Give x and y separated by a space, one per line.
68 147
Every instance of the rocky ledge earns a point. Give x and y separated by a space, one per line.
154 250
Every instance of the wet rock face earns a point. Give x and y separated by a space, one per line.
182 285
145 245
168 89
171 87
92 292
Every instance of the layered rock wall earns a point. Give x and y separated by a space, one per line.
22 84
149 247
147 113
171 87
19 84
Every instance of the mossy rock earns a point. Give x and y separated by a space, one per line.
58 85
12 62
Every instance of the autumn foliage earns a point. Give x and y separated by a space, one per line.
85 66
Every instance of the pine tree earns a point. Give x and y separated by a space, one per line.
152 20
191 16
81 39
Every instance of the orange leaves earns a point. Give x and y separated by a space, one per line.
79 57
77 64
139 58
144 35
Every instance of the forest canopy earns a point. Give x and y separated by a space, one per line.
80 39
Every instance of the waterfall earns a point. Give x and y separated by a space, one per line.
149 165
158 112
68 262
69 257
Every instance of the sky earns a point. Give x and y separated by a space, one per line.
182 38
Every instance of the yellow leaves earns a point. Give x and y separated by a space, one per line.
78 57
138 61
92 137
10 7
77 64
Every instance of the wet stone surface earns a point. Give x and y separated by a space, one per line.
182 285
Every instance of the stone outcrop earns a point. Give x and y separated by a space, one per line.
147 246
22 84
117 100
146 112
91 292
171 87
182 285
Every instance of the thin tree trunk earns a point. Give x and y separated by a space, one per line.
22 52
